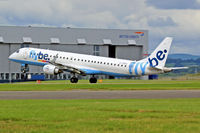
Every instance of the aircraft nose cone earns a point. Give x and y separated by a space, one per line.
11 57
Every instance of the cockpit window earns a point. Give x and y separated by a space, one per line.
17 51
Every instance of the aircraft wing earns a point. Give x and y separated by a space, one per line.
66 67
69 68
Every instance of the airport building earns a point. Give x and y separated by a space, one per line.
115 43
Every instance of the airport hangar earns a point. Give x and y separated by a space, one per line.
115 43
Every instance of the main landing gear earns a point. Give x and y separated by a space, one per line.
93 80
74 79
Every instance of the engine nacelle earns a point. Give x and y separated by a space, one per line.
51 69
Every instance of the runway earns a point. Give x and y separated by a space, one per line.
86 94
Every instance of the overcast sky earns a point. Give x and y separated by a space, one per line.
177 18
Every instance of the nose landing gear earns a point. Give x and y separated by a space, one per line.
24 68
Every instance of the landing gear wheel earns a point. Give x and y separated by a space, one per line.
24 68
93 80
74 80
23 71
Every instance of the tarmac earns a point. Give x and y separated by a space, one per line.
87 94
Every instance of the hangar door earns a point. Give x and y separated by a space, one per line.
112 51
129 52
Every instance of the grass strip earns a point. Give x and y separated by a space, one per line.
113 116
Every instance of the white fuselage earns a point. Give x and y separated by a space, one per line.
87 63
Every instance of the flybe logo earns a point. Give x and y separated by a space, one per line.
160 55
138 67
39 56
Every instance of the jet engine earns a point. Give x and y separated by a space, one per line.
51 69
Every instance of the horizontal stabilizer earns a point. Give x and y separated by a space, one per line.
168 69
178 68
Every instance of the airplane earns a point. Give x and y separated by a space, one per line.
56 62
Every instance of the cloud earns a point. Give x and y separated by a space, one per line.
63 12
3 21
174 4
103 19
43 11
161 22
186 47
161 18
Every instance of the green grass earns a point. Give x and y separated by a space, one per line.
112 116
106 85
